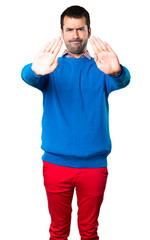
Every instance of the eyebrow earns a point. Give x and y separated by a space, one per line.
80 28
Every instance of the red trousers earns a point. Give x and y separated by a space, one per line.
60 182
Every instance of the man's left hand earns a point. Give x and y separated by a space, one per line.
104 56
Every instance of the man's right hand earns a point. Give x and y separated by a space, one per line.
46 60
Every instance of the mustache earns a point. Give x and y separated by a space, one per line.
75 40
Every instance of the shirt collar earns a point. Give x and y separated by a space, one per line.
66 53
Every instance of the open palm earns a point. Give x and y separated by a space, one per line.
46 60
105 58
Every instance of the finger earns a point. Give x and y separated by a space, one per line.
108 47
45 47
104 47
97 44
50 45
58 47
95 49
56 43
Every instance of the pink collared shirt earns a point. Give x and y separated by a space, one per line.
69 55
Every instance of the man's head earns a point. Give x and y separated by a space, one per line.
75 29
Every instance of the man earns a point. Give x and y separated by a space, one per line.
75 124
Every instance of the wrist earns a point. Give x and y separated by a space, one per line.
116 73
36 74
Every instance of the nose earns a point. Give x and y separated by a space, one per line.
75 33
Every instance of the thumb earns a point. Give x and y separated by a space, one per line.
95 57
55 64
56 61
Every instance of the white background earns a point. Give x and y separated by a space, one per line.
25 27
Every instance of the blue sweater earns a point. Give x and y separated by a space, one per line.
75 122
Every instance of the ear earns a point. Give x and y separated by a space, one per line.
89 33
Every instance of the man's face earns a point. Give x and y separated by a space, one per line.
75 34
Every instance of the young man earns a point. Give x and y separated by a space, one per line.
75 124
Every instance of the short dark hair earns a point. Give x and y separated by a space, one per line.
75 12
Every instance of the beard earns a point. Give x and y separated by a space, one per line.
76 46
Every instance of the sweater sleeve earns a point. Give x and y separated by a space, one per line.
30 77
119 81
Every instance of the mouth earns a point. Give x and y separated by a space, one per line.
75 41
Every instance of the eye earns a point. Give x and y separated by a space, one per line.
81 29
68 30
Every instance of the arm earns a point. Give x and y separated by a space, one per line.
121 80
34 80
